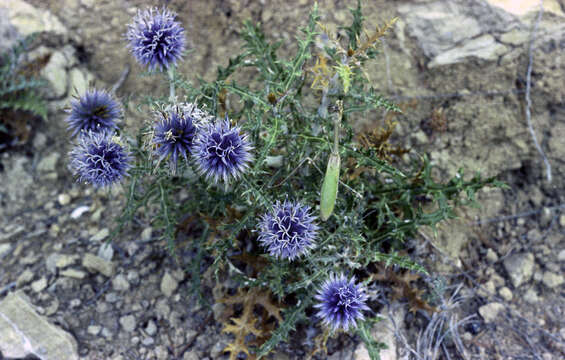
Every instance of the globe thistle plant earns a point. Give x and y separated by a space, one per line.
222 151
341 302
99 159
155 39
94 111
288 231
174 135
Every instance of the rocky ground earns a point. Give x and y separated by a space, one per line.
459 70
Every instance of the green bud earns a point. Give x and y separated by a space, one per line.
329 187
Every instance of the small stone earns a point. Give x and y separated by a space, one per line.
133 277
120 283
107 333
148 341
39 285
63 260
128 323
151 328
96 264
56 75
562 220
491 256
4 249
106 252
191 355
161 352
74 303
546 216
94 330
79 211
531 297
190 335
74 274
489 312
48 163
217 349
552 280
24 278
146 234
560 256
168 284
505 293
100 235
112 298
520 268
218 310
64 199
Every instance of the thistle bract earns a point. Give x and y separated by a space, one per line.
94 111
341 302
156 39
99 160
174 135
288 231
222 151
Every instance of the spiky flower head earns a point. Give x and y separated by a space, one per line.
175 131
288 230
94 111
156 40
341 302
223 152
99 159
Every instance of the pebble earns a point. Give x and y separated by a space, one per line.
100 235
505 293
561 255
552 280
217 349
24 278
39 285
79 211
74 303
133 277
151 328
562 220
63 261
94 263
120 283
4 249
190 335
169 284
106 252
491 256
94 330
520 268
107 333
74 274
191 355
531 297
64 199
128 323
146 234
489 312
148 341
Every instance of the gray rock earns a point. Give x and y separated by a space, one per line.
168 284
561 255
520 268
218 310
55 72
23 332
96 264
24 278
146 234
191 355
484 47
552 280
151 328
28 19
74 274
491 256
64 199
94 330
489 312
39 285
63 260
148 341
133 277
217 349
5 249
100 235
531 297
106 251
79 80
120 283
505 293
48 163
128 323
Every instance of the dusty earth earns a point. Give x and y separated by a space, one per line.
459 69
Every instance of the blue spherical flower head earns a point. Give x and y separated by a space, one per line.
99 159
174 135
223 152
341 302
156 40
288 231
95 111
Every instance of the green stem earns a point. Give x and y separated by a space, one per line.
171 73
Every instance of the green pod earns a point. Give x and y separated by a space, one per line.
329 187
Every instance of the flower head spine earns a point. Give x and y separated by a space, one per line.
341 302
95 111
156 39
288 230
99 159
223 152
